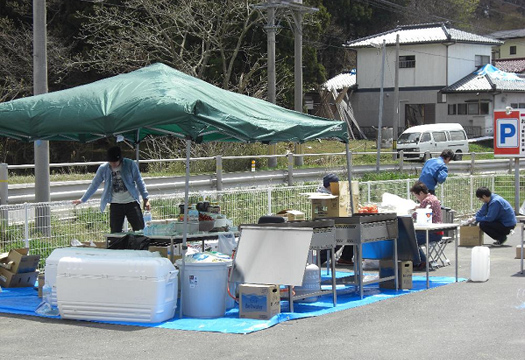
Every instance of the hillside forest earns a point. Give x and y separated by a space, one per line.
220 41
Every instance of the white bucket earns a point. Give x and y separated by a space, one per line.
311 283
204 288
424 216
480 264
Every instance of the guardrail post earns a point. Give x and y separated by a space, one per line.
218 172
290 169
511 163
472 163
401 160
427 155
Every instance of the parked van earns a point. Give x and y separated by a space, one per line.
433 138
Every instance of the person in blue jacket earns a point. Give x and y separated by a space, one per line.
435 170
122 185
496 217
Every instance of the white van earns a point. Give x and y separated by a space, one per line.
433 138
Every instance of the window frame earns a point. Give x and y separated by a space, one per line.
407 61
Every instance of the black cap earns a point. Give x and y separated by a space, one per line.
329 178
114 154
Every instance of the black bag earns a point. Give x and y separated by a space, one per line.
131 242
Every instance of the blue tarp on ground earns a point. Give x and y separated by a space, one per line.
24 301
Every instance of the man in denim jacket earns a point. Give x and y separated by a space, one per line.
122 184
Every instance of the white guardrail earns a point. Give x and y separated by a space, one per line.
219 180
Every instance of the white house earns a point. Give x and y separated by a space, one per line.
431 57
472 99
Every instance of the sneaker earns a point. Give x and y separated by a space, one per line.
499 242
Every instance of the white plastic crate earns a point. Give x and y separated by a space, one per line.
139 289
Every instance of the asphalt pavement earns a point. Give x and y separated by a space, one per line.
466 320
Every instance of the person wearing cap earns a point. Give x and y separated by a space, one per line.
122 185
347 255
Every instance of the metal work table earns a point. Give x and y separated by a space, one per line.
366 228
439 227
323 238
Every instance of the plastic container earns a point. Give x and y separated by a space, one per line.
53 259
480 264
147 216
140 289
203 286
424 216
311 283
378 249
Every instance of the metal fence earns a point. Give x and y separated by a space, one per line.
22 225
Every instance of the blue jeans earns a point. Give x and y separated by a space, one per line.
422 240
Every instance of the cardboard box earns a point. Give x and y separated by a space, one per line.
9 279
292 215
21 262
518 252
165 251
404 276
325 205
342 190
259 301
470 236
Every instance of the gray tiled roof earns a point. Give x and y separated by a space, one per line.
422 34
511 65
508 34
338 82
481 80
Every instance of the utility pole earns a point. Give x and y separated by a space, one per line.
41 148
395 119
297 9
380 120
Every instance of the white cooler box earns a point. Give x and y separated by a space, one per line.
117 289
52 261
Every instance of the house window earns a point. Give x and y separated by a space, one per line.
473 109
462 109
513 50
408 61
483 108
452 109
482 60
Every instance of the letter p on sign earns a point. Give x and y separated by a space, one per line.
507 133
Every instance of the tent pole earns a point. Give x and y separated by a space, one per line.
137 145
349 171
185 221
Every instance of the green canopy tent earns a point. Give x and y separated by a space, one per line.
155 101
